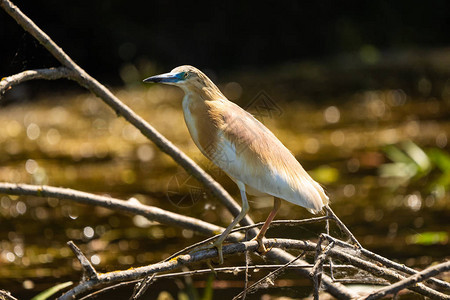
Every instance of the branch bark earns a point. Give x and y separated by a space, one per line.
136 273
47 74
5 295
134 207
408 282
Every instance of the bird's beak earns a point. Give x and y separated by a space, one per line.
164 78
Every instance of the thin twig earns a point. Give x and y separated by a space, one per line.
233 270
316 271
134 207
268 277
388 263
237 229
341 225
366 281
246 275
5 295
142 286
407 282
119 276
318 265
89 271
327 229
47 74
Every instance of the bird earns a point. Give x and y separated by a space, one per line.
246 150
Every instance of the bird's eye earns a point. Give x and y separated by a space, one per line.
185 75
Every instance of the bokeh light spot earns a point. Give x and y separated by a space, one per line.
33 131
332 114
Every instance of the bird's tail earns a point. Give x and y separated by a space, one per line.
323 200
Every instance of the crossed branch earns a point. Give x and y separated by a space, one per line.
381 268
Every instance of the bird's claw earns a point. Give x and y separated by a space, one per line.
218 245
262 250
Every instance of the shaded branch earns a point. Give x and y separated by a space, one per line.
407 282
387 262
47 74
136 273
88 270
316 271
269 277
234 270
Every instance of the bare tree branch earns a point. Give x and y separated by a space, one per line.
387 262
316 271
165 217
407 282
85 80
234 270
5 295
135 273
134 207
47 74
269 277
89 271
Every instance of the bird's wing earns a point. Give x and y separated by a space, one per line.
251 153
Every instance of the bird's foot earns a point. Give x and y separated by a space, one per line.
217 244
262 250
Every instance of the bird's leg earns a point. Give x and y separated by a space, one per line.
259 238
223 236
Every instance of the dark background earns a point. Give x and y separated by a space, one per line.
102 36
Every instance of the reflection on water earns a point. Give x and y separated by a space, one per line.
382 155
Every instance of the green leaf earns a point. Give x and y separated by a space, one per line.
51 291
441 159
325 174
397 155
429 238
208 292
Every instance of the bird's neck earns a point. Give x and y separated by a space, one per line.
204 93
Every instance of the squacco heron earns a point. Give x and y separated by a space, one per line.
243 148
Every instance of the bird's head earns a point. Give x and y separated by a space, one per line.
185 77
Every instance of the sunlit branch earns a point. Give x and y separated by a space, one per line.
387 262
268 277
410 281
89 271
131 206
236 269
6 295
47 74
136 273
